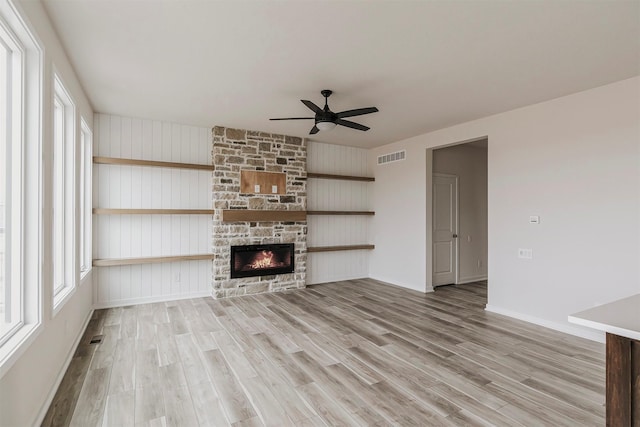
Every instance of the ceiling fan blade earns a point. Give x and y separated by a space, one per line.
357 112
313 107
351 125
314 130
294 118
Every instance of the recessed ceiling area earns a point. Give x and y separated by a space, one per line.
426 65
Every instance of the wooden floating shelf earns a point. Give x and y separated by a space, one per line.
149 260
340 213
135 162
104 211
240 215
339 248
342 177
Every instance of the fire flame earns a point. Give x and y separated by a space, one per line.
264 261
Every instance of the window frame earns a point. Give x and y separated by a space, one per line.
29 234
63 244
12 81
58 195
86 196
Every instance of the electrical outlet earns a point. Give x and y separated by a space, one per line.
525 253
176 277
256 188
274 189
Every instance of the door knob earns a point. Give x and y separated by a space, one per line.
455 236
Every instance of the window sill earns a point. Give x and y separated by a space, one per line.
84 274
15 346
63 296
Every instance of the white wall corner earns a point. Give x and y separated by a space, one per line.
429 220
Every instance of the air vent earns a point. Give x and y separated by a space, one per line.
392 157
96 339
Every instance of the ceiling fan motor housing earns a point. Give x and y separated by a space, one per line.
326 116
327 119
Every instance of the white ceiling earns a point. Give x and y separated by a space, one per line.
425 64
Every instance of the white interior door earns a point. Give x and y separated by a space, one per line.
445 229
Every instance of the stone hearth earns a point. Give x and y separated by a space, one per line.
235 150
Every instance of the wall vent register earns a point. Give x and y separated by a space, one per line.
392 157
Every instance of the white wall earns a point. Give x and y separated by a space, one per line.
126 236
469 163
337 195
574 161
28 386
402 219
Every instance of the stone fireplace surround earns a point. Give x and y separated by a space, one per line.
235 150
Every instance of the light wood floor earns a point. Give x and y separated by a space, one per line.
348 353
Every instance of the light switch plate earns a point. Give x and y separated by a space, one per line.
256 188
534 219
274 189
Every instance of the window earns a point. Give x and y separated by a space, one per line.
86 158
58 195
20 193
64 166
10 183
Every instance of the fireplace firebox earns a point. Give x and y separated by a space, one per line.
262 260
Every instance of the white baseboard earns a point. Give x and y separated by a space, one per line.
63 371
148 300
314 281
471 279
425 289
557 326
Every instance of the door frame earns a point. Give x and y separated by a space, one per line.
429 206
456 241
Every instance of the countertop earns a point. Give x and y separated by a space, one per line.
621 317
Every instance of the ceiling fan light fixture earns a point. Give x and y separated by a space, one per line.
325 126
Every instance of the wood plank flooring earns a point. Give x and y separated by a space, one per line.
347 353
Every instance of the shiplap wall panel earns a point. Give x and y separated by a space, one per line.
123 186
337 159
337 195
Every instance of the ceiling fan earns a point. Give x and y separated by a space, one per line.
327 119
